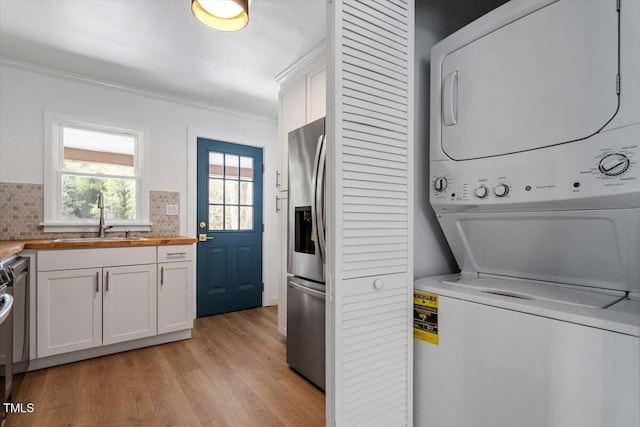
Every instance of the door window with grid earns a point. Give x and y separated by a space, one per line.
230 192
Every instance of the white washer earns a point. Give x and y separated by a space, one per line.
535 169
543 356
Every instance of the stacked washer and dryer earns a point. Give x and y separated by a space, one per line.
535 168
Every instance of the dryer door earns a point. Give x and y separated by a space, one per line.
547 78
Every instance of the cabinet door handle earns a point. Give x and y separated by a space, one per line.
107 282
176 253
161 276
97 282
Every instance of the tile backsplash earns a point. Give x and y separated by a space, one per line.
163 225
22 211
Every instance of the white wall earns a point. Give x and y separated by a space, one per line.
435 19
25 94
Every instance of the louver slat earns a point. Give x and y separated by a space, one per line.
373 161
353 16
398 13
372 133
370 53
394 116
372 211
364 11
382 46
384 93
384 117
360 138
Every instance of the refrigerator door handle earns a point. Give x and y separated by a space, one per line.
319 201
306 290
314 180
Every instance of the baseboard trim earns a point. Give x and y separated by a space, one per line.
90 353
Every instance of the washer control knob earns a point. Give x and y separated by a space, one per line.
482 192
614 164
440 184
501 190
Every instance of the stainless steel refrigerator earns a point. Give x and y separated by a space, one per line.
306 252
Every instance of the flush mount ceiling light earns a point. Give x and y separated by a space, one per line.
224 15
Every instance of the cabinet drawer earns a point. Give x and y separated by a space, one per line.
175 253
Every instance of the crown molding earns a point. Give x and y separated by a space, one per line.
54 72
314 54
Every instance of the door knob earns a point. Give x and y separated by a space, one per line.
203 237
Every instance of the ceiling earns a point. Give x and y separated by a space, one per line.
158 46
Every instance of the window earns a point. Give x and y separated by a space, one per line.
87 158
230 192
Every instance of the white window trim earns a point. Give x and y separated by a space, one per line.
52 158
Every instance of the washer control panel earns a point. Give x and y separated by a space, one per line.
440 184
501 190
614 164
605 165
481 192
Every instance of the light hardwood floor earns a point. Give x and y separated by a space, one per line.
233 372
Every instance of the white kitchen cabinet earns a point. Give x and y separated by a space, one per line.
292 116
175 288
175 296
69 310
316 94
80 309
129 303
303 99
120 299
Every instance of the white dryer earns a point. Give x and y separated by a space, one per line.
535 167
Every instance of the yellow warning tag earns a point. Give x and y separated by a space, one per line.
425 317
313 237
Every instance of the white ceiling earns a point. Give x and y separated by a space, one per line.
158 46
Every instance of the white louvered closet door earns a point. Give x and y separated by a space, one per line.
369 209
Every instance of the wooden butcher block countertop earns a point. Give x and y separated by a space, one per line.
11 247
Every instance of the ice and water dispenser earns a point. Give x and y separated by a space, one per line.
304 231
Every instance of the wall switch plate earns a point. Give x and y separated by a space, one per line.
171 210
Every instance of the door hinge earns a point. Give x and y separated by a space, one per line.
618 84
618 5
262 286
263 228
263 169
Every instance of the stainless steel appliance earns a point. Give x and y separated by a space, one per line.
14 324
18 269
6 340
306 252
535 183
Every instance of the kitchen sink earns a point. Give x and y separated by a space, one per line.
99 239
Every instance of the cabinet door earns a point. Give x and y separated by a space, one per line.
370 214
129 303
69 309
293 115
316 94
175 296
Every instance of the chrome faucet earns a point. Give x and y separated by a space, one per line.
102 227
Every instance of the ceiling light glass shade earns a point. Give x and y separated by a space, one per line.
224 15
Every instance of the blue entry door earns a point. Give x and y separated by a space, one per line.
229 263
